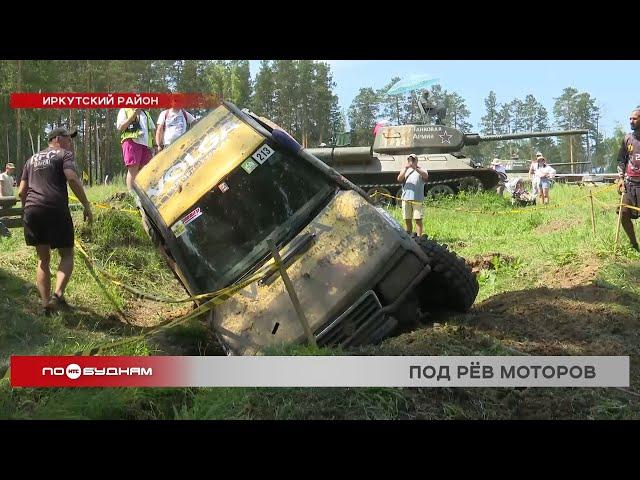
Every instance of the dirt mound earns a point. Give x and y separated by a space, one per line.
567 277
558 225
146 313
488 261
190 338
583 320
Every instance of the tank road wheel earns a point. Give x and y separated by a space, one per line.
440 189
470 184
451 285
380 196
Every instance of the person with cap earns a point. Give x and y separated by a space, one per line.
47 219
535 183
7 181
543 173
137 140
501 170
629 173
414 179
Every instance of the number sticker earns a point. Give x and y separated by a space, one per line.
263 154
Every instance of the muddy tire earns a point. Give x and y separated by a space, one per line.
451 285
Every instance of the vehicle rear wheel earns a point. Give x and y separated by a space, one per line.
451 285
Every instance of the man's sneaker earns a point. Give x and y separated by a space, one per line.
58 303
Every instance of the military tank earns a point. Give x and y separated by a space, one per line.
439 149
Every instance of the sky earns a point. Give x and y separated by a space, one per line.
611 82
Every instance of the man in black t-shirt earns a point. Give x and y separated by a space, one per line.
47 220
629 171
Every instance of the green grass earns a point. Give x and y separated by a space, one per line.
540 249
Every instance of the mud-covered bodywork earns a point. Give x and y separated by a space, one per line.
351 245
217 199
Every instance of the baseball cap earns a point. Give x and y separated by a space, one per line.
10 165
62 132
412 156
538 154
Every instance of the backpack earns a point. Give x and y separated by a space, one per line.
184 114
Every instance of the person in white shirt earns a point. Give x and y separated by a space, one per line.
7 181
501 170
172 123
414 179
544 173
535 181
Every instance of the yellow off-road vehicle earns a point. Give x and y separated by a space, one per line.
216 199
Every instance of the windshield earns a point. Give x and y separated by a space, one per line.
225 233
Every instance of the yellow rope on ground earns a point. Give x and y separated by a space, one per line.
105 206
216 298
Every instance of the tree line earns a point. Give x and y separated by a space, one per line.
297 94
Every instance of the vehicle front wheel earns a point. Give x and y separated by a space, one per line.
451 285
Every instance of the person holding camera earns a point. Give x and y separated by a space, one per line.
137 139
414 179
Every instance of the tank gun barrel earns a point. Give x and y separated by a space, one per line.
333 155
569 163
474 138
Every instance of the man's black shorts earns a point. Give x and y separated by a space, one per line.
46 226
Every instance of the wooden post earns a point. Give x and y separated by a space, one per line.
6 126
19 159
292 293
571 154
615 248
593 218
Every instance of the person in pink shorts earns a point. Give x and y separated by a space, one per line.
136 136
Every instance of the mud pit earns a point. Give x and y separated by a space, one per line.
570 315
